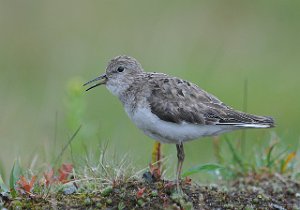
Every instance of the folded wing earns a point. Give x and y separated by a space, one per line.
177 101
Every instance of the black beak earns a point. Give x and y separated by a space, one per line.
103 79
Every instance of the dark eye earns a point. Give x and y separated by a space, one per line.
120 69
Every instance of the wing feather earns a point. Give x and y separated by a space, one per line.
177 101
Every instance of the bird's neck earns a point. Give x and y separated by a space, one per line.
129 97
127 91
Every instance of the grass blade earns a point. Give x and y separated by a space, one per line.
66 146
277 157
288 159
14 176
269 155
235 155
202 168
3 187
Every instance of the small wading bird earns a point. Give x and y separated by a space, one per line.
170 109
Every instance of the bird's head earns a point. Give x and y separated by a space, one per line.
120 73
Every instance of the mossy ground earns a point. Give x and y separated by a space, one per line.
250 192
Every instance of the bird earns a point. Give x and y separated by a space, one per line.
169 109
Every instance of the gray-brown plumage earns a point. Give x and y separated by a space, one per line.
169 109
175 100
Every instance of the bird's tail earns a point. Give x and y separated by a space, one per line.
245 120
257 122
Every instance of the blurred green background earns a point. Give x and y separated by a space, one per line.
49 48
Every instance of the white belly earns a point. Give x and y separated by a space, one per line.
168 132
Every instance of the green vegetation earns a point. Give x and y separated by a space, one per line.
112 182
215 44
60 145
107 180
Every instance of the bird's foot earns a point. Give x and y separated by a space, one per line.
179 190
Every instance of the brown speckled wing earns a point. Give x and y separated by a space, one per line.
175 100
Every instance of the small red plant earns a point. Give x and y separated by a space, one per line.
25 184
155 171
140 192
187 181
49 177
64 172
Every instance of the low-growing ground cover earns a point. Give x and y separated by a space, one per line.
268 180
264 191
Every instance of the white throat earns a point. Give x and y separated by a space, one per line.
117 86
